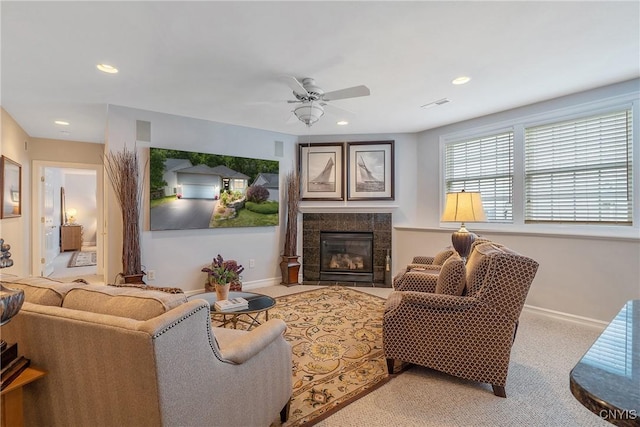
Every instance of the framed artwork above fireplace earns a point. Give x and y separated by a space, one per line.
321 171
370 170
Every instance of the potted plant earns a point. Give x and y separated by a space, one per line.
221 275
289 266
123 172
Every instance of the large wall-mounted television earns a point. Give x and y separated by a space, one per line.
190 190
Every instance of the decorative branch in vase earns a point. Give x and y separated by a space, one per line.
123 171
289 266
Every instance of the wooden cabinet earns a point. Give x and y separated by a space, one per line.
70 238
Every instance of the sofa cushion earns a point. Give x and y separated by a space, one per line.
123 302
451 280
42 290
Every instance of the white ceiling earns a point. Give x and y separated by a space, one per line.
223 61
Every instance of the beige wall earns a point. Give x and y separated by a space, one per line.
54 150
15 231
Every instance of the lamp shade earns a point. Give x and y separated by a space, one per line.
463 207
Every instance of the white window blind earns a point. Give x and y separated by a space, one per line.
485 165
579 171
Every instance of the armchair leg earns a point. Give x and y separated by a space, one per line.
284 413
390 363
499 391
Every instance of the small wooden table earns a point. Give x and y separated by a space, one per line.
12 412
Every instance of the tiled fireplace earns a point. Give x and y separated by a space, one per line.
355 248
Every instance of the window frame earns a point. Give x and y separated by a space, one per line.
518 126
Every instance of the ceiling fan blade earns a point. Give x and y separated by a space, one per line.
296 86
351 92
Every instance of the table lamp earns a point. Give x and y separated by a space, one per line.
463 207
71 214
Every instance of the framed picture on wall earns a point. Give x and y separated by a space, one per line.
370 170
321 171
11 188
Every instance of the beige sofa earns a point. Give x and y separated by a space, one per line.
132 357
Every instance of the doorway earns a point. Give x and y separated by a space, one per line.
68 221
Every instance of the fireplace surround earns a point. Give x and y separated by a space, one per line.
377 225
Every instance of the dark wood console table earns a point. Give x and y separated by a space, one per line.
607 378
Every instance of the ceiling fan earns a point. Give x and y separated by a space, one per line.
313 99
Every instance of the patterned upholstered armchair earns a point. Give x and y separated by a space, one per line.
466 336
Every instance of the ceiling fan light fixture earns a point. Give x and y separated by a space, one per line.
309 113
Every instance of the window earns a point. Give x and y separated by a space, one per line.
486 165
579 171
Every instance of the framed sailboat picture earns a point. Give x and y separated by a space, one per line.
321 171
370 170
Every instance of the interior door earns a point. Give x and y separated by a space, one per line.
50 227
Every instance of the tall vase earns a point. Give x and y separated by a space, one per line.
290 268
222 291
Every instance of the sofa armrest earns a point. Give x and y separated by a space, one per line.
252 343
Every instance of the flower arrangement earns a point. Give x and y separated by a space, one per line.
223 272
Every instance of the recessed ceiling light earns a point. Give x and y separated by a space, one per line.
106 68
61 122
461 80
342 123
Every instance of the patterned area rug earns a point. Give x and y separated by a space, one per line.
83 259
336 337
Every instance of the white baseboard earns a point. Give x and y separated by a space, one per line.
585 321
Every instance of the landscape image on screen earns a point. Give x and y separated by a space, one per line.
190 190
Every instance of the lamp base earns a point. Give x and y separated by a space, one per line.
462 241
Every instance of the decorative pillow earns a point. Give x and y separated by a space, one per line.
451 280
443 255
123 302
478 264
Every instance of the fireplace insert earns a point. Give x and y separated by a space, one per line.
346 256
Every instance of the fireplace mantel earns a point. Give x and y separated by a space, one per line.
331 208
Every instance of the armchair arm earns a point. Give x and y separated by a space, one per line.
420 281
430 301
423 267
421 259
250 344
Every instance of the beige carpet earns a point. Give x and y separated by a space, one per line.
83 259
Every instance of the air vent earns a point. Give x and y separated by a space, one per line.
436 103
